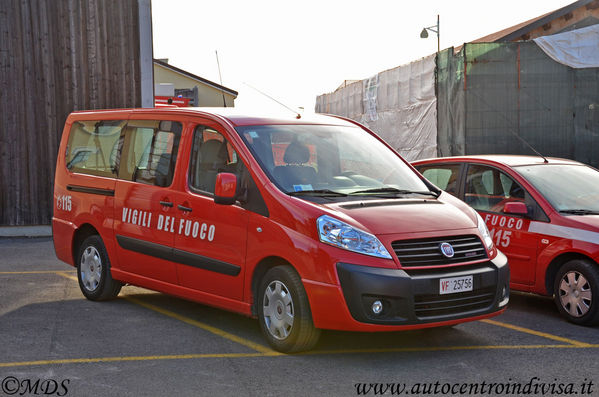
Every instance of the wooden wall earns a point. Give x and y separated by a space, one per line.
57 56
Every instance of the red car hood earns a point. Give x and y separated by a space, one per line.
588 222
406 215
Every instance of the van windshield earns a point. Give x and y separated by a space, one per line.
329 160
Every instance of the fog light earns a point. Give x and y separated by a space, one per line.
377 307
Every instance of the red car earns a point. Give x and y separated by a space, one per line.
304 223
543 214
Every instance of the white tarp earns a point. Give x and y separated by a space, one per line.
371 89
398 104
578 48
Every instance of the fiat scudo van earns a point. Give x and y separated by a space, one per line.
306 224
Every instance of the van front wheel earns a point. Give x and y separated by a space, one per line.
284 311
93 271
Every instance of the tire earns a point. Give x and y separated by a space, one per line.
284 311
93 271
576 291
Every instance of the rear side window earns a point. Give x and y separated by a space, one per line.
150 151
94 146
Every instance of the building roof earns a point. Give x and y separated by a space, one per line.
519 31
346 83
195 77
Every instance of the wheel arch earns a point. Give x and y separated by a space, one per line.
82 232
555 265
259 271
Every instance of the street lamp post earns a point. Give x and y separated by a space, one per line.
435 29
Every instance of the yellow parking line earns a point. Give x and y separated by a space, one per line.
223 334
538 333
34 272
444 348
67 275
311 353
130 358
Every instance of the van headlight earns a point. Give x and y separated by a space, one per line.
484 231
342 235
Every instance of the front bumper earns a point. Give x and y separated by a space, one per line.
411 296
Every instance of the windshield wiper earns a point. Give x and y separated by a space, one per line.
393 190
317 192
579 212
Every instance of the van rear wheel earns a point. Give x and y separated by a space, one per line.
576 291
284 311
93 271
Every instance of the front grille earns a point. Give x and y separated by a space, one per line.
440 305
439 272
426 252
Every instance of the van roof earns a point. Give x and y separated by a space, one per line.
235 116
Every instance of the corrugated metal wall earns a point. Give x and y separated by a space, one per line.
515 88
57 56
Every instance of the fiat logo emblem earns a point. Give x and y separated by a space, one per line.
447 250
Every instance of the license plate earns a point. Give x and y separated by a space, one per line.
455 284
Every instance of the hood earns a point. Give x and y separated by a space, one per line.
585 221
406 215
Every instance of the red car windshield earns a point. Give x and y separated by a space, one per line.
570 188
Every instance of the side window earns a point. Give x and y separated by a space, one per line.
150 151
445 177
488 189
210 154
94 146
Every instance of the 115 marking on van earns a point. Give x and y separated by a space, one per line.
64 202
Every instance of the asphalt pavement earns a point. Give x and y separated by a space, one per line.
151 344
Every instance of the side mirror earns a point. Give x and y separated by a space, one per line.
225 189
515 207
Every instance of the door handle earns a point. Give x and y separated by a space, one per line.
166 203
183 208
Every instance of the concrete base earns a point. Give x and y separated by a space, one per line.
25 231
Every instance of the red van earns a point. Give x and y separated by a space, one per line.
306 224
543 213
